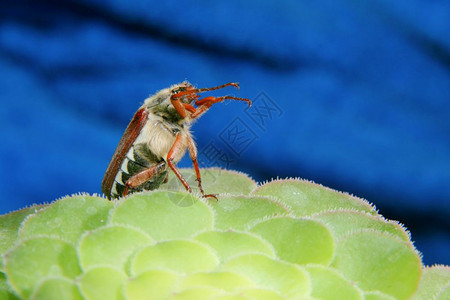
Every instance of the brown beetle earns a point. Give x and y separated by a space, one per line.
157 138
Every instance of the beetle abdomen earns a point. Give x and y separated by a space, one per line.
138 158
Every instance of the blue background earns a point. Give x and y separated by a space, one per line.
361 92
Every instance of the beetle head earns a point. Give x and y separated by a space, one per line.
162 99
161 105
187 90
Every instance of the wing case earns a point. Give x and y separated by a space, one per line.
131 133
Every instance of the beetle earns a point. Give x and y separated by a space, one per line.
156 139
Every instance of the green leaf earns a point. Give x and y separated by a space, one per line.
111 245
287 279
306 198
380 262
298 241
35 259
261 294
68 218
164 215
214 181
9 228
232 297
328 284
444 294
378 296
178 256
225 281
228 244
242 212
5 291
435 280
342 223
102 283
197 293
157 283
57 289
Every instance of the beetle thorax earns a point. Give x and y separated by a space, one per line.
159 135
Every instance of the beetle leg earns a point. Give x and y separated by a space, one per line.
193 154
176 147
189 107
199 111
181 108
205 103
178 106
212 100
143 176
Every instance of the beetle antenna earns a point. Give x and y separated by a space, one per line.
196 91
235 84
249 102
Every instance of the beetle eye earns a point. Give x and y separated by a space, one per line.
178 89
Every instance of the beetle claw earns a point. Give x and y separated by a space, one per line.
210 196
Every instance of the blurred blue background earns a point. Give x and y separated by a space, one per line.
354 95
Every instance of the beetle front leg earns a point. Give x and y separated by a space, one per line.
205 103
143 176
181 107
